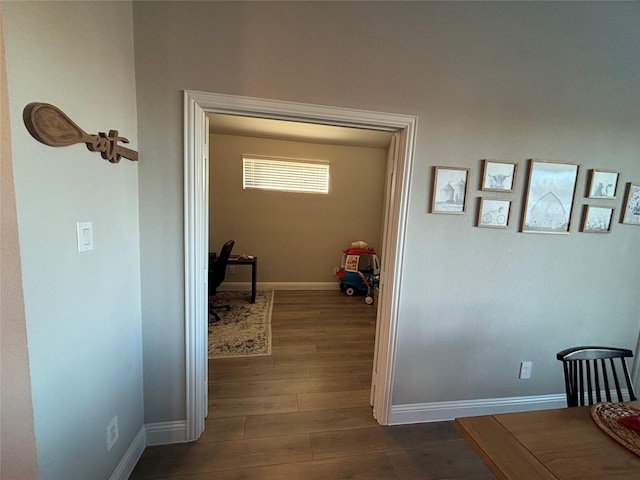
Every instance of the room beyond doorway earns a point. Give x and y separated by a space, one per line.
299 237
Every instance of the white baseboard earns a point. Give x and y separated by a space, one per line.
130 459
442 411
244 286
164 433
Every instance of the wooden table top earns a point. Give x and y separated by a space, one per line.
560 444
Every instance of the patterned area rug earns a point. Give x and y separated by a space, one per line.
243 331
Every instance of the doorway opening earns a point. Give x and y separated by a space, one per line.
196 107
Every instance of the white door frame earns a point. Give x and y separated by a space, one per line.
196 186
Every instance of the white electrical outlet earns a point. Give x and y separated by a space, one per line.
112 433
525 370
232 270
335 270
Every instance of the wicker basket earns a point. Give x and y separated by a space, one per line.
606 416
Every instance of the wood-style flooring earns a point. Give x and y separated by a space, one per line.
303 412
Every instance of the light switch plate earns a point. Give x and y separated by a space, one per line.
85 236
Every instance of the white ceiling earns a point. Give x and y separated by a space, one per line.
297 131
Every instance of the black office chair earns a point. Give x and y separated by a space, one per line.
217 270
588 370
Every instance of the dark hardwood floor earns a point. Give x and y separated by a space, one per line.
303 413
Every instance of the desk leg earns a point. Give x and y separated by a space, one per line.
254 267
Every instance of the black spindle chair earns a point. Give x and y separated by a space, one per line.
588 371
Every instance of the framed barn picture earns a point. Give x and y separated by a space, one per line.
549 198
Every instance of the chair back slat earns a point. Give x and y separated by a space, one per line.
588 370
605 379
627 379
571 389
615 380
589 387
597 380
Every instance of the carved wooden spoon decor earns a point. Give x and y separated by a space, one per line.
49 125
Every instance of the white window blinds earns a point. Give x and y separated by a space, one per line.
289 175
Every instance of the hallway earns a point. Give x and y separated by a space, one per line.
304 413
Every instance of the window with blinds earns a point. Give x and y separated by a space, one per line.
285 174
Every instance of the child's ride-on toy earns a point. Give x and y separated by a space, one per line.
359 272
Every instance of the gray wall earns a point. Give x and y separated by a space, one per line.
17 456
508 81
298 237
83 315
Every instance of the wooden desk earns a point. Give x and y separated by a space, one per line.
239 260
249 260
561 444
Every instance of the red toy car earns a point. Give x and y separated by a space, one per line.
359 272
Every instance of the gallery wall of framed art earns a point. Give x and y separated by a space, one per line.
550 198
